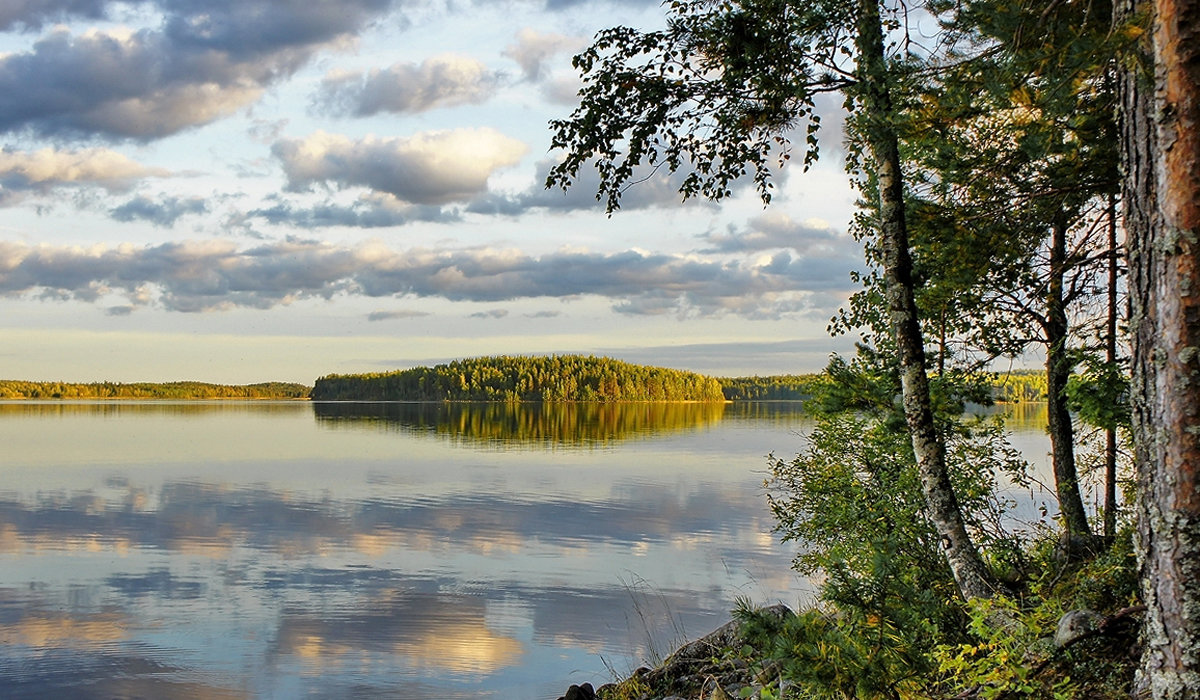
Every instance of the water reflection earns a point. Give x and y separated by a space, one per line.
511 425
111 409
247 550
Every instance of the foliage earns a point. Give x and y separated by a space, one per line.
1010 653
713 96
1100 395
523 378
12 389
853 502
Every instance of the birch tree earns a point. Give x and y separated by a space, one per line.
713 96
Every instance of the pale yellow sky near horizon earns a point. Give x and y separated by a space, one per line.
55 355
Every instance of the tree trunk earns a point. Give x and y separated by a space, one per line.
970 573
1110 357
1161 158
1058 372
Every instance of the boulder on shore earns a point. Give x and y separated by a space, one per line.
711 667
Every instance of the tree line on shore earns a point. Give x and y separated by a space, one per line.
502 378
16 389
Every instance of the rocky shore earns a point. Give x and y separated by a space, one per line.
713 667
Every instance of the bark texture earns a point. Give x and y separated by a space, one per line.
1161 159
971 574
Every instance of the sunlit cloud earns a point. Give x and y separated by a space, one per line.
430 168
24 172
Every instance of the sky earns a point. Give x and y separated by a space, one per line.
238 191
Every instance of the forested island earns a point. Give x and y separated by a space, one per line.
16 389
523 378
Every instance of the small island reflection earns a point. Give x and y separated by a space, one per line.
533 425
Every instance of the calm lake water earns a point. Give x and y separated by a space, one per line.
288 550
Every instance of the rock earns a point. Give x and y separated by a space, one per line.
708 668
580 692
725 636
1076 624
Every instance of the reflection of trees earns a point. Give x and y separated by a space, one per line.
771 412
115 408
524 424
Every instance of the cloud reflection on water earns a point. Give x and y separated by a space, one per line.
440 572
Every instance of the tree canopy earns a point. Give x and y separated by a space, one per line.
523 378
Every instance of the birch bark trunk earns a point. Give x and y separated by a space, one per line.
970 573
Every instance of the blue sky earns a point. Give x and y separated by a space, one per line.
247 190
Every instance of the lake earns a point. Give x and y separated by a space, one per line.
283 550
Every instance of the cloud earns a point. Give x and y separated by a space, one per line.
533 49
659 190
395 315
430 168
23 172
562 90
210 275
372 210
775 230
572 4
210 58
441 81
493 313
160 212
33 14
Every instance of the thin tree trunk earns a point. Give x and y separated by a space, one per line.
1058 372
1110 357
970 573
1161 157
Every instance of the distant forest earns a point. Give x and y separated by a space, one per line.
502 378
520 378
13 389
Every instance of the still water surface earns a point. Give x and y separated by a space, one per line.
282 550
289 550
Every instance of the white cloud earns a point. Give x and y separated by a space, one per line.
430 168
